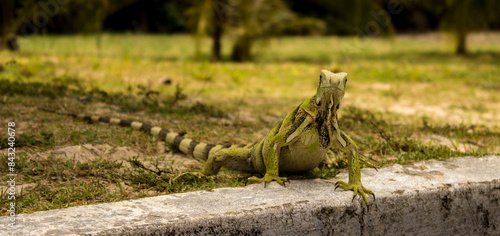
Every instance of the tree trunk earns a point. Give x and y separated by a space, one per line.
216 36
461 43
11 42
242 49
7 37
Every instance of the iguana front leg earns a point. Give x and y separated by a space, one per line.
354 171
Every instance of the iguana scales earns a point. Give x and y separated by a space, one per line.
298 143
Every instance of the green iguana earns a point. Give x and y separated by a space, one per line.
298 143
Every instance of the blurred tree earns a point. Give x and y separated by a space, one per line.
254 20
27 17
200 15
146 16
348 17
219 18
246 20
464 16
85 16
8 26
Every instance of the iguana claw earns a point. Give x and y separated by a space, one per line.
356 187
267 179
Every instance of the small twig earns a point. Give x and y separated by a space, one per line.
138 164
474 143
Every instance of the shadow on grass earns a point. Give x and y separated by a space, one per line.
138 98
380 138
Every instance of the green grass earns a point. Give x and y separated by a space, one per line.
402 93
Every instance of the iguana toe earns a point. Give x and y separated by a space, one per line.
356 187
267 179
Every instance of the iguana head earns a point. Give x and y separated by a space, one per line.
331 90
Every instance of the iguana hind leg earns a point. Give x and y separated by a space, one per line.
271 146
272 173
231 158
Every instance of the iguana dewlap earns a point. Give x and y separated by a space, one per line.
298 143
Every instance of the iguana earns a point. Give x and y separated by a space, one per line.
298 143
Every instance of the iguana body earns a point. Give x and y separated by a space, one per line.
298 143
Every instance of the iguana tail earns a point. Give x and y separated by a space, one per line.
198 150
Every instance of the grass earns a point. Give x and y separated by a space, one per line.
404 103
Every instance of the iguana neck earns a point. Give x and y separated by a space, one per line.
325 122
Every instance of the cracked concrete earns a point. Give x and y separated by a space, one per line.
459 196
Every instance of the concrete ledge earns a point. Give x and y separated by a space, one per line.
459 196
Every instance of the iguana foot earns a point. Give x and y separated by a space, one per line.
356 187
267 179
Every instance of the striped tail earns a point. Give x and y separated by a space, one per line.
198 150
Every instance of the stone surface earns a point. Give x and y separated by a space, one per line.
458 196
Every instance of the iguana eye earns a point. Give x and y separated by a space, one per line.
338 106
